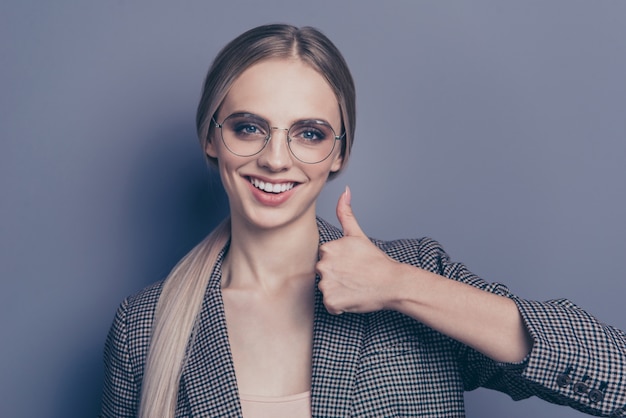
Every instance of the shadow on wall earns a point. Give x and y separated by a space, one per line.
167 202
173 203
80 388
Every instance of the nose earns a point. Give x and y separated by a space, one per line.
276 155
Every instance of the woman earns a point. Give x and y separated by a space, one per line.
278 313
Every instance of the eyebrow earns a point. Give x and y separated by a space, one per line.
247 112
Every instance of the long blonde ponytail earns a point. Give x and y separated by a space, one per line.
175 316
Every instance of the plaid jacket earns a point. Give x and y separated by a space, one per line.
383 364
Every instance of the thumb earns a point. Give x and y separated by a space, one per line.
346 217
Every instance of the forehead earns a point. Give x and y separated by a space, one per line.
282 91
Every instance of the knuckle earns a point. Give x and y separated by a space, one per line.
332 307
320 270
323 286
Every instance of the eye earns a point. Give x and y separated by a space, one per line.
310 132
246 127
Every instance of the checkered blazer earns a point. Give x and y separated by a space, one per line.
383 364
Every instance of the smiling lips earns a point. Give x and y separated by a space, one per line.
271 187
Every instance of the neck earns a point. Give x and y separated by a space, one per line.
271 258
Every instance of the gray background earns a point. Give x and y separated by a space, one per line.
496 127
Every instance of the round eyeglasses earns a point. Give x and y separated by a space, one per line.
310 141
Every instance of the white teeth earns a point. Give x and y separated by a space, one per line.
270 187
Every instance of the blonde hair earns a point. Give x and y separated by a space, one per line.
181 298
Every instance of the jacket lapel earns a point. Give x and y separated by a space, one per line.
337 344
209 375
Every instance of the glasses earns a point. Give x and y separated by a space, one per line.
309 141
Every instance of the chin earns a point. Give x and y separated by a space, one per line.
267 219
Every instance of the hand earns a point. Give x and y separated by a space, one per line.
357 277
355 274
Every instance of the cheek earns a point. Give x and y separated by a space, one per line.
321 174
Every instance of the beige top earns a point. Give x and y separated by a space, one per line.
292 406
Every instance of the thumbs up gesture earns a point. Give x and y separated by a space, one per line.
355 275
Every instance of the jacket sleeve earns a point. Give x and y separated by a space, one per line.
575 360
120 393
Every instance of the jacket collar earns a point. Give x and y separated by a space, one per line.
209 375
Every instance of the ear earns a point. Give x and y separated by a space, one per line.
210 147
337 163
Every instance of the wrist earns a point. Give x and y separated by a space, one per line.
401 287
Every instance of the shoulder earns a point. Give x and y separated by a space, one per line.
142 303
423 252
418 251
135 314
129 335
428 254
146 298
